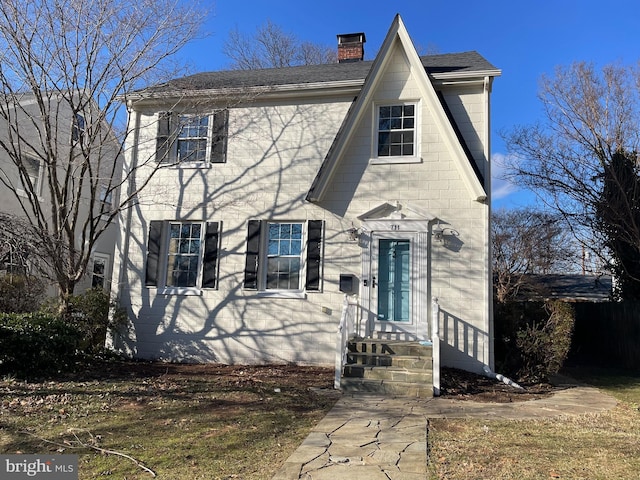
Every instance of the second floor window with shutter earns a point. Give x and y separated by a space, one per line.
192 139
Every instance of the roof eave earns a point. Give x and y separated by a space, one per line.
472 74
297 90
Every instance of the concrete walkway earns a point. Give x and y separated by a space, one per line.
370 437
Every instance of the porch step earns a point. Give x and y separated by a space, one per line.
398 389
388 367
390 374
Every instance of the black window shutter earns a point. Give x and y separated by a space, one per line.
253 255
153 253
219 136
209 269
314 254
162 139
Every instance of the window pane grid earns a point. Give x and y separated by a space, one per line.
284 249
396 130
184 254
192 138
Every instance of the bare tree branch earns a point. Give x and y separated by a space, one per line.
66 70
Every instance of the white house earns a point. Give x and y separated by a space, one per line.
287 190
57 150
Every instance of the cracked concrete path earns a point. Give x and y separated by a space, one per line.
371 437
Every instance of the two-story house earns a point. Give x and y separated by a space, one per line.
287 190
60 169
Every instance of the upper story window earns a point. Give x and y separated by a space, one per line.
33 170
396 131
192 139
78 128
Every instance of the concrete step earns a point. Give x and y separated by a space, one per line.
385 347
385 387
382 360
394 374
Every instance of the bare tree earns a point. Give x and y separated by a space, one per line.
525 242
589 117
270 47
65 69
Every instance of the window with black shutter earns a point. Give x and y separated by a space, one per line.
191 139
276 259
182 256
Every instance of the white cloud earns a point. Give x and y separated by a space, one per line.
500 187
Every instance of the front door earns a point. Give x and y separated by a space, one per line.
394 281
392 301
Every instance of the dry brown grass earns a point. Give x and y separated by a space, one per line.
589 447
182 422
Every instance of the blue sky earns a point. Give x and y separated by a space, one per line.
523 39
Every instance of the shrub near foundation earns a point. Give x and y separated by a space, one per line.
533 338
33 345
20 293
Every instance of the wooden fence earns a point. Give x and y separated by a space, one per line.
607 334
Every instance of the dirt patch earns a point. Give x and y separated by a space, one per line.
463 385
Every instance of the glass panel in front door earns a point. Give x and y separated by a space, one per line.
394 286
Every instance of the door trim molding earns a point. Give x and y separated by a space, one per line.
417 231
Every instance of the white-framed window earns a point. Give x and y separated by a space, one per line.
182 256
33 168
192 142
106 198
190 139
283 257
396 132
100 270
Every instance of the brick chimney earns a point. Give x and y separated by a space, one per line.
351 47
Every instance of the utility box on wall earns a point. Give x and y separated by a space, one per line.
348 283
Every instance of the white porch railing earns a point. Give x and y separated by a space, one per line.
346 332
435 340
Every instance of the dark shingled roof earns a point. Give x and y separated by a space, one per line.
571 288
434 64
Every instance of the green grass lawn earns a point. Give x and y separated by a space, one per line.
177 422
602 446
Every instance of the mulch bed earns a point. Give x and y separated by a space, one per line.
463 385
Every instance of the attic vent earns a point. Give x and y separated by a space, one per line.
351 47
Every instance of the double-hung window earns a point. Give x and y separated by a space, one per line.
396 131
283 256
99 271
186 139
192 138
33 171
182 256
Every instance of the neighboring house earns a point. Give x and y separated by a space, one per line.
26 135
287 189
567 287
